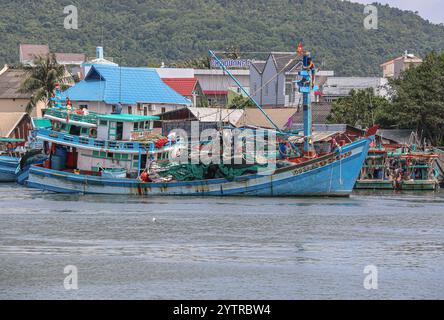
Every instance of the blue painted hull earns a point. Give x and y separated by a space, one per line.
8 167
333 175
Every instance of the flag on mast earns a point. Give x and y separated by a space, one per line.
300 48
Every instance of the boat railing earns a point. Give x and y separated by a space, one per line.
125 146
63 114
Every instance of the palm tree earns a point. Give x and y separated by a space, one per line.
42 80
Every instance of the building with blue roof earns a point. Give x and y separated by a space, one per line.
109 88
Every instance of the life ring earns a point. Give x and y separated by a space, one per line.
57 126
93 133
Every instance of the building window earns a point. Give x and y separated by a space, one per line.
163 110
130 110
145 111
103 123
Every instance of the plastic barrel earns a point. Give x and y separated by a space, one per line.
58 163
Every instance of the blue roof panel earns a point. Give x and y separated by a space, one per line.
125 85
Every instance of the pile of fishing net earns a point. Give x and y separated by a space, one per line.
190 172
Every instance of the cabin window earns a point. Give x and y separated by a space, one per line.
84 131
130 110
136 126
103 123
141 125
163 110
110 155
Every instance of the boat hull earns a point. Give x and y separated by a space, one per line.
374 185
8 167
419 185
333 175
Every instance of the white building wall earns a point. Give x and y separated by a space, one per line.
270 85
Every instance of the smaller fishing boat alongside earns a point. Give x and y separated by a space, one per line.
400 167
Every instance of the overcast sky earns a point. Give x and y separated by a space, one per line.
432 10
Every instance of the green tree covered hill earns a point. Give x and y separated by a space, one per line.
138 32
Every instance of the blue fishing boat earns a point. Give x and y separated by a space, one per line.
8 167
118 166
331 175
9 159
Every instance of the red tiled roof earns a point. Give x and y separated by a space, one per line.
183 86
216 92
29 52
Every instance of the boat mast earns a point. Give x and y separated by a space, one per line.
306 87
243 90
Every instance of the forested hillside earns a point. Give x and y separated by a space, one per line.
139 33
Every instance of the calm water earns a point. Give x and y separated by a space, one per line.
220 248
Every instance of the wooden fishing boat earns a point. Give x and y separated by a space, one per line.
330 175
121 166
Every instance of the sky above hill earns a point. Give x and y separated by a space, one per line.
433 10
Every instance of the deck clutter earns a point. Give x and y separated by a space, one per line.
102 136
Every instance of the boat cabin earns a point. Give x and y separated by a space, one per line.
124 127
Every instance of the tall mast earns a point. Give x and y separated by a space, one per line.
244 91
307 87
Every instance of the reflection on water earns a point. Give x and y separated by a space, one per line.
226 248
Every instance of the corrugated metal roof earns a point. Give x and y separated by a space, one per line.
10 82
259 66
31 51
216 114
285 61
70 58
183 86
125 85
254 117
8 122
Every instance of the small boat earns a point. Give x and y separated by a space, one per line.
9 159
399 167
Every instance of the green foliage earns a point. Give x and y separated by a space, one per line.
361 109
138 33
241 102
418 99
196 63
42 80
416 102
